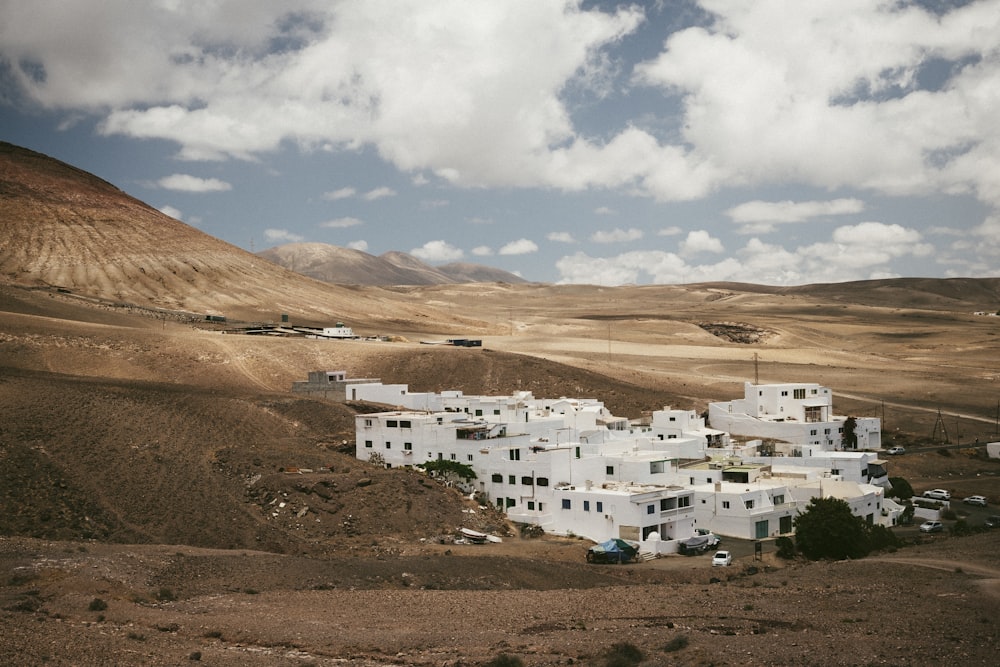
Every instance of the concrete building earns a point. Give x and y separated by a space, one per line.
797 417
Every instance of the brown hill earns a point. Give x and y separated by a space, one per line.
66 229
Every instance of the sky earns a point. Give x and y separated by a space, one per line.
775 142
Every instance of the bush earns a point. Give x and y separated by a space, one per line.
97 604
786 547
900 488
504 660
880 538
677 643
623 654
828 529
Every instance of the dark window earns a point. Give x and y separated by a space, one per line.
527 481
586 505
650 509
368 443
600 506
404 423
498 478
684 501
565 504
610 470
511 479
531 504
391 423
408 446
542 481
388 445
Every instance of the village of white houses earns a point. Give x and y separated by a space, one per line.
570 467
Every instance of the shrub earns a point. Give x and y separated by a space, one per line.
504 660
900 488
676 644
97 604
623 654
786 547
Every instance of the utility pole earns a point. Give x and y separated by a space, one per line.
939 425
756 373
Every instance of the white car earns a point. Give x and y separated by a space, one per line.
931 527
975 500
937 494
895 451
722 559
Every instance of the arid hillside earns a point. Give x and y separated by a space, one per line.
165 498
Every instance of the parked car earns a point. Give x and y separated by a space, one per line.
713 539
992 521
975 500
722 559
937 494
895 451
931 527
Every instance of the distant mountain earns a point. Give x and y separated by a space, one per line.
334 264
65 229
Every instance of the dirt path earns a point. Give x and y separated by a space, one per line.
990 584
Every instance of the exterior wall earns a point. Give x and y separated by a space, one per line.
800 414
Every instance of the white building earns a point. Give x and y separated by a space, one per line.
798 416
572 468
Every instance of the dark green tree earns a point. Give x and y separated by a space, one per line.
900 489
444 469
828 529
850 437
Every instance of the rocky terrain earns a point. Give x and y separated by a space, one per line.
166 499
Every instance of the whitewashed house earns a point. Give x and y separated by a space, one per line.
799 417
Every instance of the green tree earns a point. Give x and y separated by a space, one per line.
900 489
446 468
850 437
828 529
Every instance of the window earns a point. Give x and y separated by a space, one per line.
586 505
511 502
599 505
453 457
468 457
391 423
565 503
540 508
826 431
667 504
799 393
784 393
368 444
479 413
577 452
650 509
779 499
812 432
404 423
725 504
542 481
497 478
388 445
748 504
408 446
673 419
531 504
368 423
496 412
515 455
609 470
684 501
672 436
511 479
527 481
655 467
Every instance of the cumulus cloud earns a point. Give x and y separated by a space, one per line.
853 252
698 242
761 217
482 251
560 237
172 212
519 247
379 193
340 193
616 235
188 183
673 230
276 235
341 223
437 251
358 245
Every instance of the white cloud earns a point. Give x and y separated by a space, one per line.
437 251
482 251
670 231
341 223
477 220
340 193
379 193
698 242
560 237
358 245
605 210
434 203
617 235
274 235
854 252
188 183
519 247
172 212
789 211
